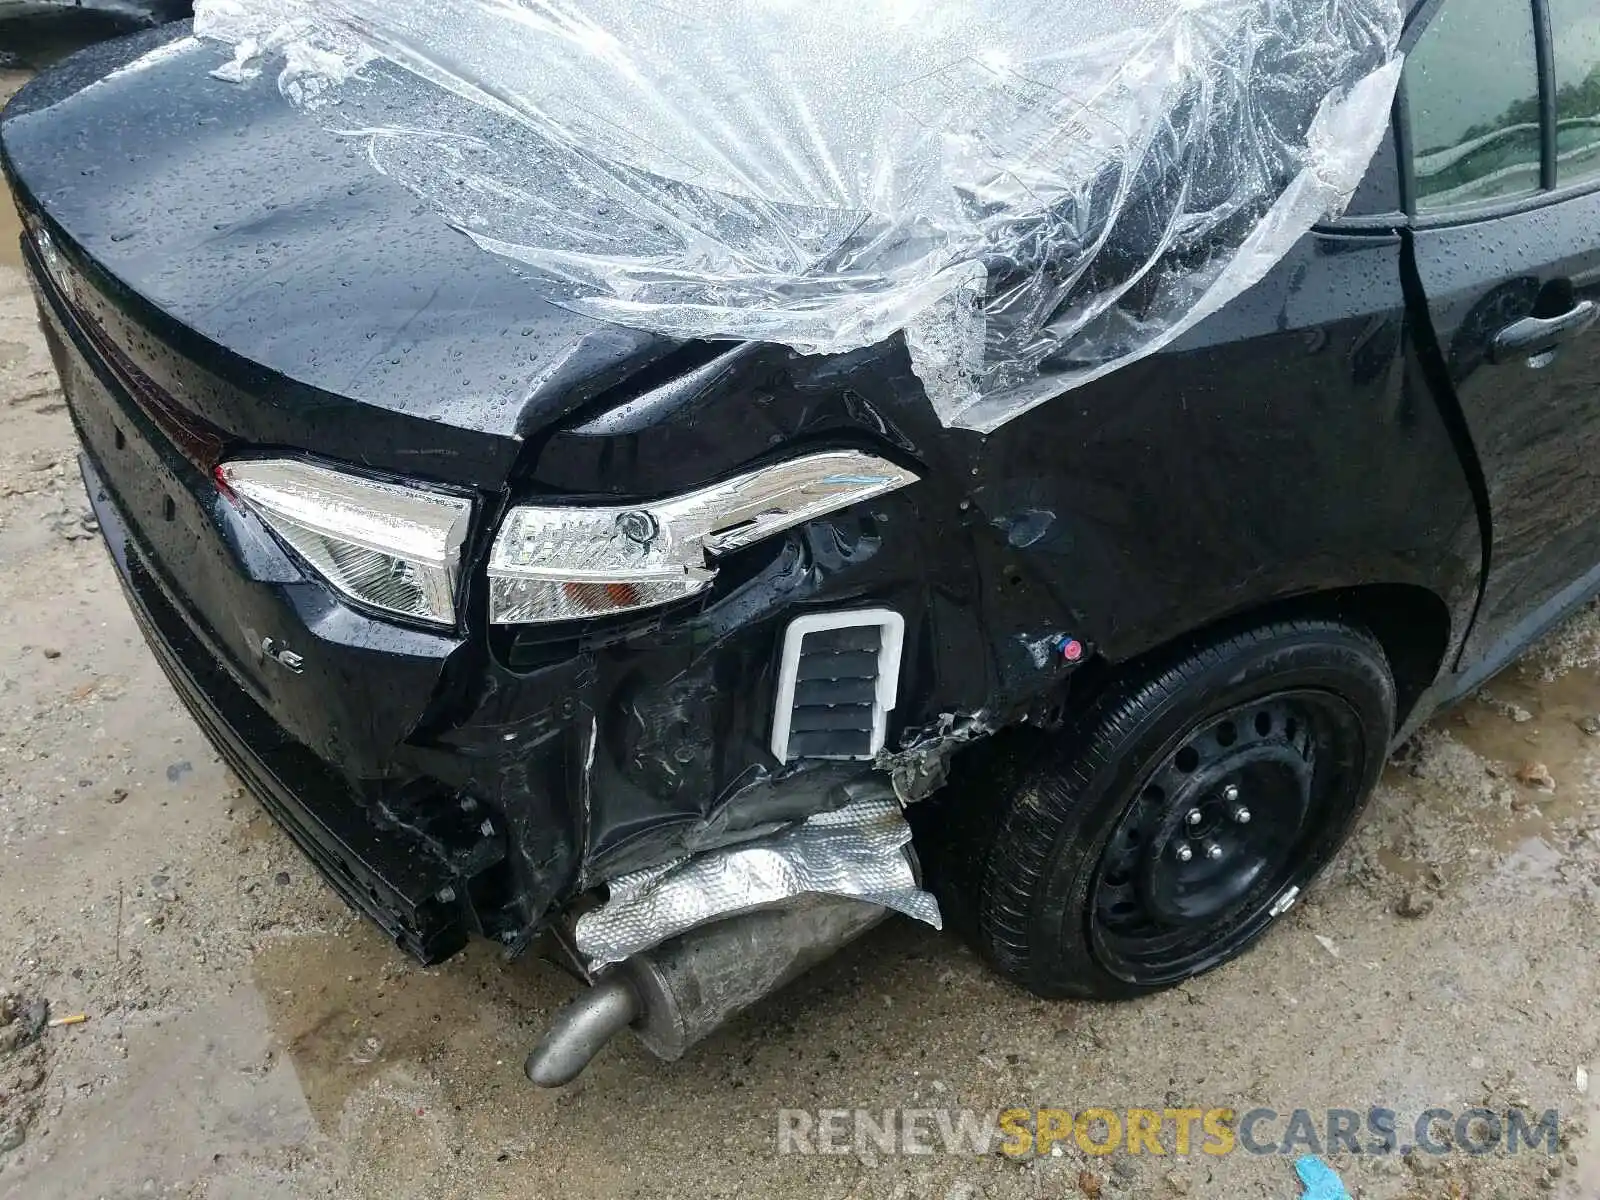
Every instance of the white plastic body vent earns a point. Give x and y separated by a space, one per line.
837 684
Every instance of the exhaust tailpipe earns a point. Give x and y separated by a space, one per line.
674 995
580 1029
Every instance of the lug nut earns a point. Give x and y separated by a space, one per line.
1213 852
1241 815
1230 793
1185 852
1195 816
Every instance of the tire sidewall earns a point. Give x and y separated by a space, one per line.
1342 662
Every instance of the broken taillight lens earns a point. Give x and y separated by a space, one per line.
566 562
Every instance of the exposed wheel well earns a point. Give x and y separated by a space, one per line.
1413 626
1411 623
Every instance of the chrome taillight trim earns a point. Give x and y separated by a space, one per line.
548 554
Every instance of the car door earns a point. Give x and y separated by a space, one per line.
1500 144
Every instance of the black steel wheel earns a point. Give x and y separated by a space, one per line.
1183 812
1221 825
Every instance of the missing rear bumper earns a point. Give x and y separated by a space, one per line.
860 851
678 993
682 949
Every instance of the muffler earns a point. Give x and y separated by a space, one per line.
675 994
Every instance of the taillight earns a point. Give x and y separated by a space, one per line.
392 547
562 563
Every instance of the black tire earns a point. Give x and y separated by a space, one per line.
1079 885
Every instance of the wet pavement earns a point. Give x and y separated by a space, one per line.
246 1036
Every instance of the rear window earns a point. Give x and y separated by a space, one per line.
1472 87
1575 25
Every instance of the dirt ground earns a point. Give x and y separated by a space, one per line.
248 1037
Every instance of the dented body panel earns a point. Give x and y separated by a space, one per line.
230 290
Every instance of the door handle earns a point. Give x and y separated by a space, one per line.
1533 336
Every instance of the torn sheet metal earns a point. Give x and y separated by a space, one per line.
922 764
858 851
1035 191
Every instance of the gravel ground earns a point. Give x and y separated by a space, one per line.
248 1037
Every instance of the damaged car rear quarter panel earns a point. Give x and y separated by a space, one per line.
647 739
1106 518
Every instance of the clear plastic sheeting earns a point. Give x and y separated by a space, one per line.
1035 193
858 851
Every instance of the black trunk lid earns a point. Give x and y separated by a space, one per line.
257 269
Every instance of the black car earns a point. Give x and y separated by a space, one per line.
1134 659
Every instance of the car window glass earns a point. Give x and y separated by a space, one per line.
1472 86
1576 26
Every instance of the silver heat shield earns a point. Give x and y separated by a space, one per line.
859 851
